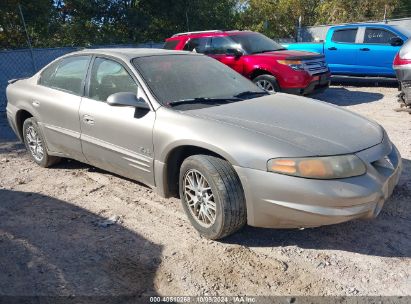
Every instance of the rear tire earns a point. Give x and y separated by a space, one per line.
36 145
212 196
267 83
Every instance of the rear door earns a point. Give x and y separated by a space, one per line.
57 99
341 51
198 45
375 53
116 138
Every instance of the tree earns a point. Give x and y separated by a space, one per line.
277 18
337 11
52 23
39 16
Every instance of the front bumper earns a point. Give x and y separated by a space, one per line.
281 201
317 85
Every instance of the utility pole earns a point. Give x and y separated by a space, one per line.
28 39
385 14
188 27
298 38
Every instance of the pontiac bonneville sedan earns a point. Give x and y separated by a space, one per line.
188 126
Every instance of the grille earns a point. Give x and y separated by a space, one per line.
316 66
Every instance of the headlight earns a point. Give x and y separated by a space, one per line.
294 64
329 167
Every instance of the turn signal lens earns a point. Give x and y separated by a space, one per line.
398 61
289 62
329 167
314 167
296 65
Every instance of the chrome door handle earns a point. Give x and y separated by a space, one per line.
35 103
88 119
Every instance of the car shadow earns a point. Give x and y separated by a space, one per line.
387 235
345 97
49 247
365 81
71 164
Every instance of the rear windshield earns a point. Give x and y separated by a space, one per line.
178 77
171 44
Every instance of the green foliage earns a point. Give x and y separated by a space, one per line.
52 23
277 18
336 11
39 16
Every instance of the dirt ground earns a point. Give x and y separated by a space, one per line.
55 238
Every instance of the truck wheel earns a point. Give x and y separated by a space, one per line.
212 196
35 144
267 83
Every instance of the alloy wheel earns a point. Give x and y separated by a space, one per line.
199 198
265 85
35 144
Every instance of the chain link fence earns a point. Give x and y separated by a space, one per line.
24 63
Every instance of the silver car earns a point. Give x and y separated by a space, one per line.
190 127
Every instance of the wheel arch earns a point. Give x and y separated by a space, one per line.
260 71
173 162
21 116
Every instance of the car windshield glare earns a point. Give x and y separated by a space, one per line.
174 77
254 43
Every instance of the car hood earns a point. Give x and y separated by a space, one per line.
312 126
288 54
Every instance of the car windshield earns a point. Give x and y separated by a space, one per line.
254 43
177 79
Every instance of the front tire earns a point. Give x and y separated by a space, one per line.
267 83
212 196
36 145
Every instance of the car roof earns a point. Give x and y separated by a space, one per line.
209 33
129 53
348 25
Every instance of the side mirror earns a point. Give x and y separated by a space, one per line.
234 52
127 99
396 41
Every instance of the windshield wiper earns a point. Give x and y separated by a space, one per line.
203 100
250 93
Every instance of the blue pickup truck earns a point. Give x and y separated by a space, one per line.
359 49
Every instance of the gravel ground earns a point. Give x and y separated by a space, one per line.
56 239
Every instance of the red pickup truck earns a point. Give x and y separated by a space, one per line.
267 63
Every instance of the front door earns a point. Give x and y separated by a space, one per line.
219 50
116 138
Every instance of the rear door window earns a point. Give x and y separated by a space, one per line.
171 44
197 45
344 36
69 76
378 36
48 74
